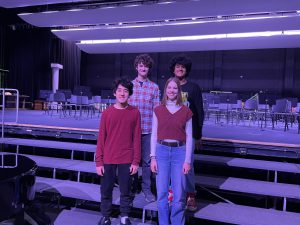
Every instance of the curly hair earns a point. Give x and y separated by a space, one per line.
125 83
181 60
145 59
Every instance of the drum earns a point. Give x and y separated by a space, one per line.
16 185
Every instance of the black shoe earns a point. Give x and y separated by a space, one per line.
127 222
104 221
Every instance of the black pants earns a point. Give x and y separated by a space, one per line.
107 184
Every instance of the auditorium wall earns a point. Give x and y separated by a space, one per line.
265 71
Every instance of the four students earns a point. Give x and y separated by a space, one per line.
124 139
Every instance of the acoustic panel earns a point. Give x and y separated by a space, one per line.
275 24
157 12
199 45
26 3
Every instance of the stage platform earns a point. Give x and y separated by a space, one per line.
243 138
243 163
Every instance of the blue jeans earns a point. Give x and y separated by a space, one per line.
146 171
170 163
189 184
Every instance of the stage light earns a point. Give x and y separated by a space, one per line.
291 32
131 6
111 41
254 34
166 2
24 14
46 12
137 40
194 37
74 10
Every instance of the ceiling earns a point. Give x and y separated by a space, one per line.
73 20
28 3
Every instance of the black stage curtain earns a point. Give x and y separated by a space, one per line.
67 54
3 50
2 46
2 53
29 59
31 53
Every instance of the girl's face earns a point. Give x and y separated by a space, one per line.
172 91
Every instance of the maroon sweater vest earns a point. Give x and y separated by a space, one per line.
172 126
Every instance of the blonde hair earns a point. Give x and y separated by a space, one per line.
179 96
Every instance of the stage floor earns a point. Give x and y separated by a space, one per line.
242 132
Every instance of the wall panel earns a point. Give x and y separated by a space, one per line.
242 71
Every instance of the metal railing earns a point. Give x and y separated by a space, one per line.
2 161
2 92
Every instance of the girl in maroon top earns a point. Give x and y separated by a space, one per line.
171 150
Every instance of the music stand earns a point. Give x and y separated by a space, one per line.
107 94
43 101
44 94
67 92
293 101
228 98
264 99
82 91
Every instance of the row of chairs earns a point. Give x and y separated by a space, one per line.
216 97
76 104
252 111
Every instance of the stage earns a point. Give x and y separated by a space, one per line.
245 137
239 163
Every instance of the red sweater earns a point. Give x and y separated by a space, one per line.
119 140
172 126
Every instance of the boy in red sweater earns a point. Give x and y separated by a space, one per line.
118 150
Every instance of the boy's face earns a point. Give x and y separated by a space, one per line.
142 70
121 94
179 71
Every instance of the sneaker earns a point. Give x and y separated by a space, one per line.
104 221
149 197
191 203
127 221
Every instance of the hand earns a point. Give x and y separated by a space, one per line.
198 145
186 168
153 166
133 169
100 170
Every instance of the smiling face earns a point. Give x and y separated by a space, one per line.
179 71
142 70
121 94
172 91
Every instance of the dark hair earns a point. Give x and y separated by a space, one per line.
179 96
125 83
181 60
145 59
